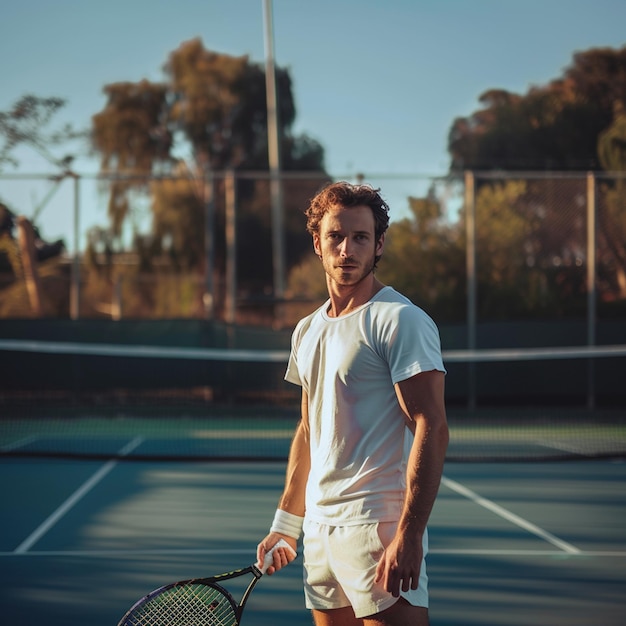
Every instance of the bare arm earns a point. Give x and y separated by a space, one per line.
293 496
422 400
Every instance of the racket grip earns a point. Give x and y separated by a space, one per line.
269 556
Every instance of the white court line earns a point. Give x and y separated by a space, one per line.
20 443
132 554
511 517
83 490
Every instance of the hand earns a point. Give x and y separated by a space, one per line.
282 556
400 565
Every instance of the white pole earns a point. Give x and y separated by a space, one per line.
273 146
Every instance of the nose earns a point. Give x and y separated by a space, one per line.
344 250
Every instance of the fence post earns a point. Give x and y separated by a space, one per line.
75 286
591 285
208 297
116 304
231 247
470 262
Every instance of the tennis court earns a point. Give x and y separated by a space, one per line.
511 543
114 484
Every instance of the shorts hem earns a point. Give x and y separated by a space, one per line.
385 604
310 606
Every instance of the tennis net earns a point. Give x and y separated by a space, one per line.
146 402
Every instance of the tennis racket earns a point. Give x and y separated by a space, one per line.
199 601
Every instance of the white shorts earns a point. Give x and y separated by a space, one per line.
340 566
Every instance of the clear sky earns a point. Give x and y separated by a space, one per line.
377 82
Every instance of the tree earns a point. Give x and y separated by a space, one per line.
424 259
26 123
612 216
573 123
207 117
26 259
555 126
133 140
612 141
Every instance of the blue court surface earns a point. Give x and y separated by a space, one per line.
512 544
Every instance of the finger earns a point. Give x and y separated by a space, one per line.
282 554
392 585
380 568
262 551
278 559
260 555
288 555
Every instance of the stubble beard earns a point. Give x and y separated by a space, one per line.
356 276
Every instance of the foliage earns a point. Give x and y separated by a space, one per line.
551 127
424 259
307 279
26 123
576 122
168 145
54 279
168 140
612 220
612 142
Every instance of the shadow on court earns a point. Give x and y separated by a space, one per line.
141 525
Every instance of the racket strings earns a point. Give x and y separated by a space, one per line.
185 605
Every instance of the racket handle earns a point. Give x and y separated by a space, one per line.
269 556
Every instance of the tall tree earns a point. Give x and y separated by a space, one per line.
573 123
555 126
424 258
612 214
132 137
208 116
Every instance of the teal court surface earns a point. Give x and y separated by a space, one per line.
512 544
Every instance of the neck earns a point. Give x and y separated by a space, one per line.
344 299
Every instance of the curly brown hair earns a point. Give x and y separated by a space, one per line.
347 195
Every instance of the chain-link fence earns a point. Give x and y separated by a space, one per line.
478 247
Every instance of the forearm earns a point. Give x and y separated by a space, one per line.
292 499
289 516
423 477
422 400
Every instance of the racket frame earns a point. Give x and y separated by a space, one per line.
214 582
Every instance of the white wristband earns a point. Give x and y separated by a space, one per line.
287 524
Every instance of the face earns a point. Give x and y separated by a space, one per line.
347 244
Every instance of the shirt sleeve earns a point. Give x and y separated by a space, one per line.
292 375
412 344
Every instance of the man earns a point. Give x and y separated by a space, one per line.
359 482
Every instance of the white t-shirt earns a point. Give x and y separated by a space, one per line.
348 366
